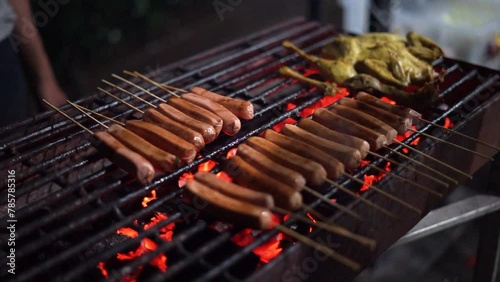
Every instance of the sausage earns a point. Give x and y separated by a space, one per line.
322 131
401 124
160 159
350 157
184 132
338 123
163 139
245 174
365 120
206 130
231 124
240 108
312 171
266 165
197 112
395 109
229 209
332 166
237 192
133 163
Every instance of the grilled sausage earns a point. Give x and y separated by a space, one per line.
197 112
312 171
133 163
322 131
332 166
206 130
163 139
401 124
184 132
365 120
231 124
160 159
266 165
230 209
395 109
338 123
350 157
237 192
245 174
240 108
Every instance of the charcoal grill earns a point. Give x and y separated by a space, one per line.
71 201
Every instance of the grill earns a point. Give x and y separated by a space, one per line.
70 201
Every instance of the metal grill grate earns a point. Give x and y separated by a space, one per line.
71 201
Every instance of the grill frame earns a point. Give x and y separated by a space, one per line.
298 26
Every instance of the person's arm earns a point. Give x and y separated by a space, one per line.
34 55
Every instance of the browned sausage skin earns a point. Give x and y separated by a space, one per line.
273 169
184 132
159 158
350 157
395 109
237 192
206 130
322 131
338 123
401 124
245 174
135 164
365 120
312 171
242 109
333 167
197 112
229 209
231 124
163 139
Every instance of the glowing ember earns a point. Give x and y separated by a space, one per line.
267 251
231 153
326 101
448 123
185 177
147 245
385 99
127 231
312 219
290 106
102 267
146 200
224 176
207 166
368 182
407 134
280 125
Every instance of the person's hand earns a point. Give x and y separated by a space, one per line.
50 91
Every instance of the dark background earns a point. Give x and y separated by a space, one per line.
89 40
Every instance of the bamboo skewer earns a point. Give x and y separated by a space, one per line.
324 199
68 117
422 165
159 85
80 108
127 92
333 228
434 159
121 100
392 197
141 88
411 169
460 134
364 200
324 249
421 187
450 143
